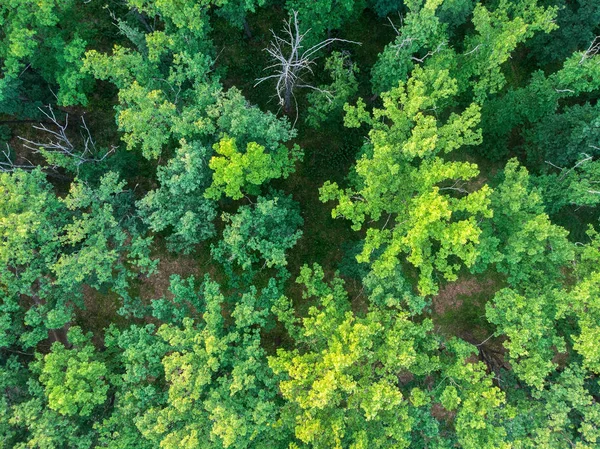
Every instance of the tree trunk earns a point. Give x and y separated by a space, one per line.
60 334
247 30
287 100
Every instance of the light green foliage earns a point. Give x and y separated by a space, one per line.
27 421
235 171
146 119
482 417
403 179
221 393
582 303
178 205
194 16
327 103
342 387
357 380
520 239
529 325
74 382
563 414
31 222
499 31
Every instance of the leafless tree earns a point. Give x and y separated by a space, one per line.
291 61
59 144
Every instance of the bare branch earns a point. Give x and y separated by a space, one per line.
290 61
592 50
59 143
8 164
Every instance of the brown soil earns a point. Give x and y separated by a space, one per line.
450 296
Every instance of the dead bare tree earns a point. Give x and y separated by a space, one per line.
290 61
59 145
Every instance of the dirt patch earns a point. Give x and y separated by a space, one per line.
157 285
451 296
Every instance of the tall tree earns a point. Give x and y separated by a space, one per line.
402 181
263 231
221 392
178 205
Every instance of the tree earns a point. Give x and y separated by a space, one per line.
528 324
498 34
179 205
263 231
234 170
421 30
53 247
373 380
104 241
27 419
74 382
41 46
342 388
221 392
31 223
406 189
59 150
291 61
135 356
571 186
520 239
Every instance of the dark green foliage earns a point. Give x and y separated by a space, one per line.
178 205
328 102
261 232
45 39
577 27
575 134
323 16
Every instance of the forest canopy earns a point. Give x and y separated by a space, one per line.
286 224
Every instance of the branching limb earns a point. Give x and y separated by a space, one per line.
59 143
290 61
